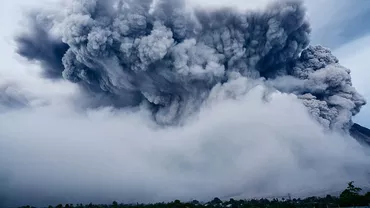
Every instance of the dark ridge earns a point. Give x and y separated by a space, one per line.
362 134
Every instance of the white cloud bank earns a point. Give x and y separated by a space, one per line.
52 154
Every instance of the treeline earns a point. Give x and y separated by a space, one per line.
350 197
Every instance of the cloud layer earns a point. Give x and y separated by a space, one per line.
51 154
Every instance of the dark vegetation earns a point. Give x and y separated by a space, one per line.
350 197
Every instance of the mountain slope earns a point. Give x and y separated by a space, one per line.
362 134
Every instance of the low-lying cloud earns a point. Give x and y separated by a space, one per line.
53 154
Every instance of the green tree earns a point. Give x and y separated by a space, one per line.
350 196
177 201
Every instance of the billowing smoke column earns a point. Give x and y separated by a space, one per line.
168 57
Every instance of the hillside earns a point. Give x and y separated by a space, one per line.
362 134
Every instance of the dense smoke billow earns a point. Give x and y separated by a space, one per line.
166 101
161 54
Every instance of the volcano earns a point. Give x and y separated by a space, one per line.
361 133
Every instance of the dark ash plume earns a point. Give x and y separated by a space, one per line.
168 57
39 45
